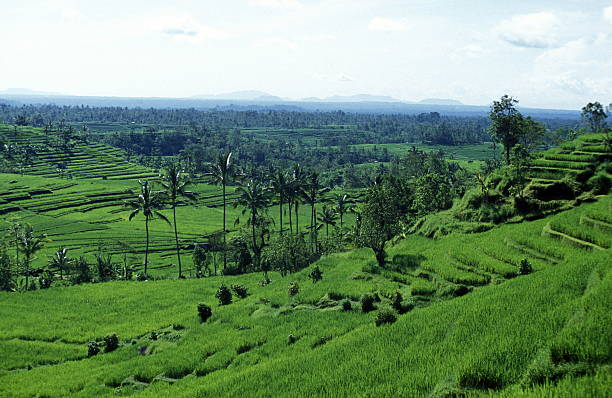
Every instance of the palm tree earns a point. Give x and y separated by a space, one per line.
344 204
149 202
328 216
61 261
29 245
221 172
280 184
175 183
297 192
313 194
255 198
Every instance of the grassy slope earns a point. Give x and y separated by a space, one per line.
508 335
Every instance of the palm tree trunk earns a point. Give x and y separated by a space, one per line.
27 271
255 251
290 217
327 231
341 214
280 211
147 245
297 218
224 230
178 250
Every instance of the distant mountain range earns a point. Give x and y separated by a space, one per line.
261 101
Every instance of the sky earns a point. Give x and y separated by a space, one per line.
547 53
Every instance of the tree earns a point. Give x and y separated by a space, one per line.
383 211
175 183
432 193
280 184
29 245
222 171
296 193
287 254
255 197
505 123
15 228
61 261
149 202
7 276
313 194
328 216
594 117
344 204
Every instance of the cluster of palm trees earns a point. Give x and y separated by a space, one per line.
255 195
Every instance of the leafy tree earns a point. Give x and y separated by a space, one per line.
149 202
29 245
7 275
222 172
199 260
175 183
287 254
594 116
61 261
383 211
432 193
505 121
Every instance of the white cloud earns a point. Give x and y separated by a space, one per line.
538 30
276 3
272 42
386 25
580 68
469 51
345 78
71 14
607 12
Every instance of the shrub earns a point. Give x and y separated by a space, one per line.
141 276
224 295
92 349
291 339
111 343
240 291
7 282
205 312
316 275
346 305
46 279
385 316
396 303
525 268
82 272
294 289
367 302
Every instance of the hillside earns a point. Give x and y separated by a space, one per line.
474 326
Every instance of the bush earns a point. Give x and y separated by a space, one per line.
367 302
205 312
7 282
46 279
346 305
291 339
92 349
396 303
316 275
111 343
525 268
385 316
240 291
82 272
224 295
141 276
294 289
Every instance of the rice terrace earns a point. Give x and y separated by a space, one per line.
161 242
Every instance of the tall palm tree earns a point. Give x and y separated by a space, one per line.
344 204
222 171
280 184
328 216
175 183
29 245
61 261
149 202
297 191
314 192
255 198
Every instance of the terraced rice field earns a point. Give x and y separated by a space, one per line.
475 327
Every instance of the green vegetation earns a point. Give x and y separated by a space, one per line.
511 297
